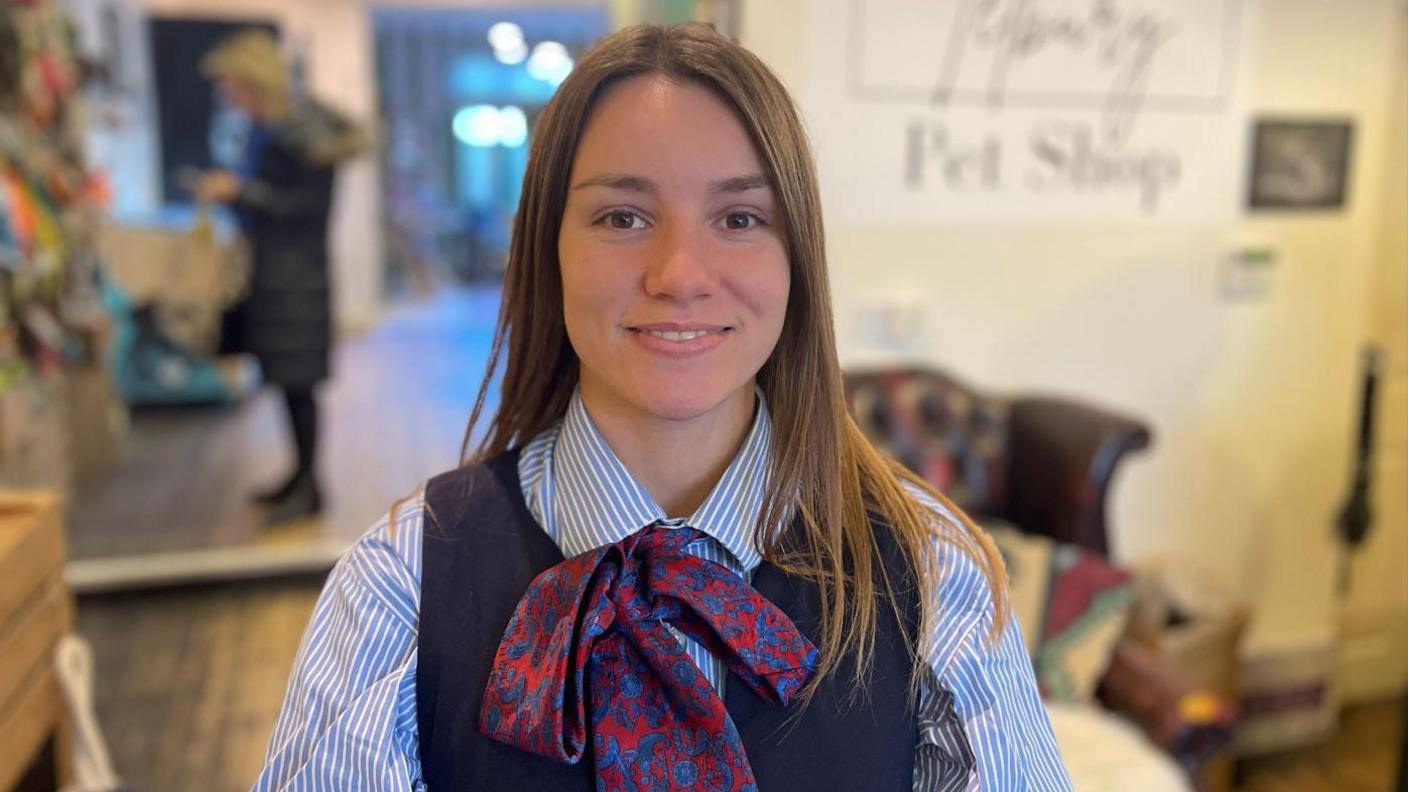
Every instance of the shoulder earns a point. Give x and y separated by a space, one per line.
386 561
447 499
321 134
963 594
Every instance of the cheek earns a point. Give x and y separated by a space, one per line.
574 279
578 310
592 294
765 290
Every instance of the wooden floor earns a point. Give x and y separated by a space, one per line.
189 681
393 415
1362 756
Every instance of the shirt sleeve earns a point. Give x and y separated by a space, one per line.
995 696
982 724
348 720
943 761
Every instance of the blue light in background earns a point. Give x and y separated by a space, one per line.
482 126
505 35
550 62
477 125
507 40
513 127
479 77
511 56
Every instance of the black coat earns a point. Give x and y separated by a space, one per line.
283 207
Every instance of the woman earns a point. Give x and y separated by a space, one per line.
283 197
673 448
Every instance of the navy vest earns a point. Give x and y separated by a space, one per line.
482 548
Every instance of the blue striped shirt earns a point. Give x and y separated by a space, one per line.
349 717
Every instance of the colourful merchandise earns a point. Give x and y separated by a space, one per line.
48 201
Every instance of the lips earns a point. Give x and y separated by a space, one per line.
678 328
679 339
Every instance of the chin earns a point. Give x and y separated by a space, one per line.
683 400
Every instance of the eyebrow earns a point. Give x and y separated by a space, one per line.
632 183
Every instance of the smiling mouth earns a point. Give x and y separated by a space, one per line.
679 335
679 340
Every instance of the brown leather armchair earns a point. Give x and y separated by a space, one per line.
1044 465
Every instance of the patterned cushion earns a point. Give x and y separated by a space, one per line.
1072 604
952 437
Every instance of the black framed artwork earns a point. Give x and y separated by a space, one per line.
1300 164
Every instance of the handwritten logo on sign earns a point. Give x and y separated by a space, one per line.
1046 97
1010 34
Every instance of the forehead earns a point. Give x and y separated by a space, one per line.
674 130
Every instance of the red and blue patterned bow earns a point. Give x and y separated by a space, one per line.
591 635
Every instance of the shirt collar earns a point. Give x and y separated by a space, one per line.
596 501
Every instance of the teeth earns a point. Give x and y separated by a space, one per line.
675 335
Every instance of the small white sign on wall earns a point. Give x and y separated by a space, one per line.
1035 110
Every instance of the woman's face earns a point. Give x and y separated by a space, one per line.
238 95
674 265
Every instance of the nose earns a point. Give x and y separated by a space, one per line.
678 268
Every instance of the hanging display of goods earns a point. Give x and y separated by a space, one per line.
40 106
50 74
48 200
35 218
97 191
58 76
9 243
11 57
25 285
50 177
50 250
63 185
41 323
11 371
11 149
21 212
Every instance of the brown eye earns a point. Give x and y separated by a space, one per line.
623 221
739 221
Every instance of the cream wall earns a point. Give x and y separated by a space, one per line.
1252 404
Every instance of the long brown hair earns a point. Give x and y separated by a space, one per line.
821 464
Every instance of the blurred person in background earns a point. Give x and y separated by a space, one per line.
282 197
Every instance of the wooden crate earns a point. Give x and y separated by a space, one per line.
35 611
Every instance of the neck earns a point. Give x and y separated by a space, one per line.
678 462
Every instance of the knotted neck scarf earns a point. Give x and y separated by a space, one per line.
589 653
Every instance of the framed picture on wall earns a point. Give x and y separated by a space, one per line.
1300 163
